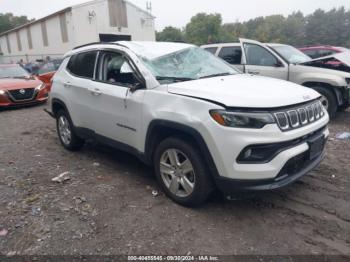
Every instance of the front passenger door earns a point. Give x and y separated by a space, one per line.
116 109
259 60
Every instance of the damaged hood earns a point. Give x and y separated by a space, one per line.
341 57
340 62
245 91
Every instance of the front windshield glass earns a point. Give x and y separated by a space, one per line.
15 71
291 54
190 63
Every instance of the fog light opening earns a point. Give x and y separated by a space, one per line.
247 153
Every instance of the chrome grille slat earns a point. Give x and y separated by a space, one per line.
303 116
282 120
293 118
310 113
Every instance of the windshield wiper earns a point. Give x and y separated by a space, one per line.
214 75
173 78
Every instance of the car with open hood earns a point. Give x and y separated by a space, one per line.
330 76
19 88
199 122
322 51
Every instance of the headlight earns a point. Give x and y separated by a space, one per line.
241 119
2 92
39 87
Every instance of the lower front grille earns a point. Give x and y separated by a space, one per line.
22 94
297 164
294 165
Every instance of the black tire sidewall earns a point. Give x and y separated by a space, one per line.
203 184
76 143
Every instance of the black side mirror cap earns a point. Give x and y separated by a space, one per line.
279 64
137 86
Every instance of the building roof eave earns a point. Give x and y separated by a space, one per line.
68 9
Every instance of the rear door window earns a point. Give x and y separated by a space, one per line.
83 64
232 54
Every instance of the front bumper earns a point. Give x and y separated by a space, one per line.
293 170
40 97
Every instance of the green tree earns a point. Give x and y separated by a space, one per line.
293 29
170 34
331 27
204 28
9 21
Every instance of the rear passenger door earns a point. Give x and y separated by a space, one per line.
232 55
77 85
258 60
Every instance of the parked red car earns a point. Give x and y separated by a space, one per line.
18 87
322 51
46 71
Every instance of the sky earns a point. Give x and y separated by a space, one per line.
179 12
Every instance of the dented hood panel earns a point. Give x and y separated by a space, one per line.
342 57
245 91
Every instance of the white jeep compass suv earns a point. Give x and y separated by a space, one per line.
199 122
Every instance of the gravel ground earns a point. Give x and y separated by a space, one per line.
108 206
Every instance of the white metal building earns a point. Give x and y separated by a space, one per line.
95 21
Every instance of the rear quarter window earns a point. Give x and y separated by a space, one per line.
83 64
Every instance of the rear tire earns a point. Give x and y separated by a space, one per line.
66 133
329 100
182 173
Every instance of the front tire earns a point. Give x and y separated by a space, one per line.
66 134
328 100
182 173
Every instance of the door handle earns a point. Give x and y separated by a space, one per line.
67 84
96 92
254 72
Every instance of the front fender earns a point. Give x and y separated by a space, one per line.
303 74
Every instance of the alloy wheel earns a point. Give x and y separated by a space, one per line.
177 173
325 102
64 130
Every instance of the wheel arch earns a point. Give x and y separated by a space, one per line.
159 130
330 87
57 105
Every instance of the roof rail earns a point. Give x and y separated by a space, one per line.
96 43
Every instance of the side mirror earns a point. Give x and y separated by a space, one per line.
278 64
137 86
